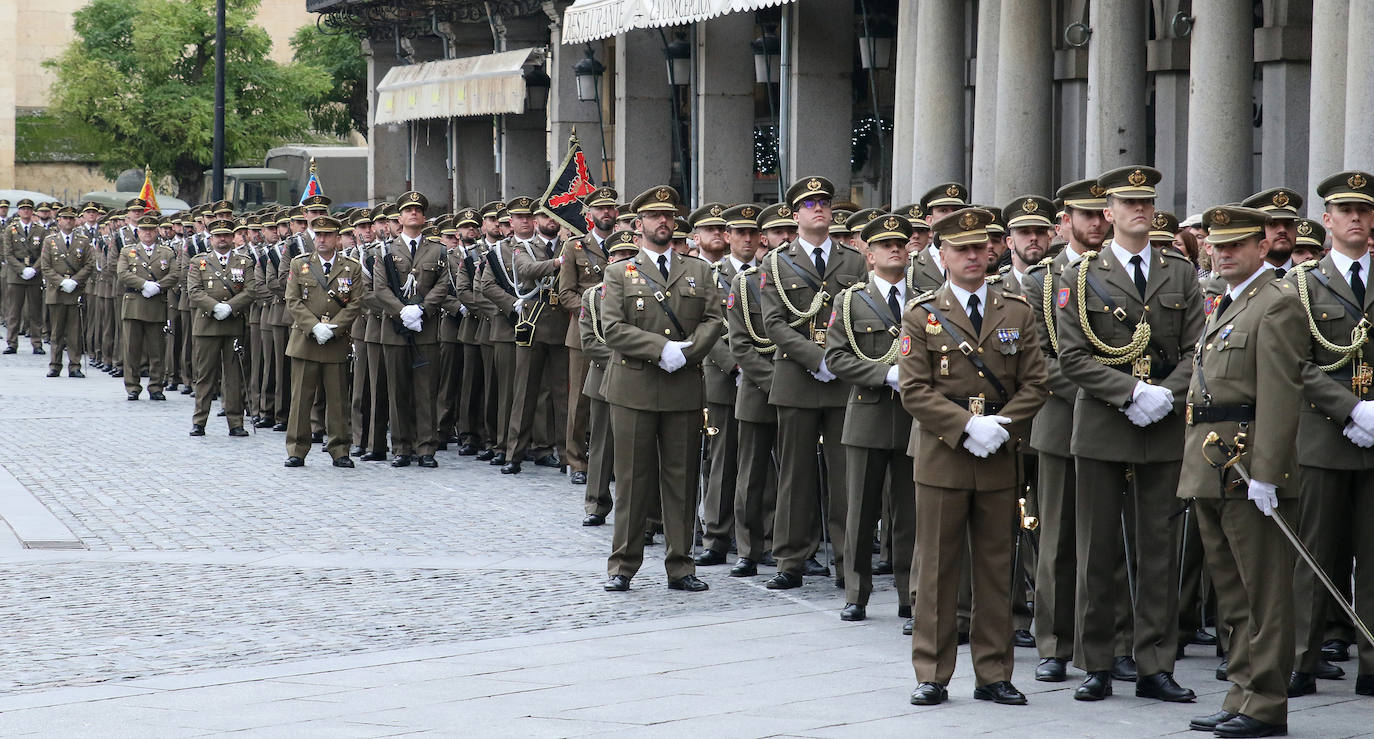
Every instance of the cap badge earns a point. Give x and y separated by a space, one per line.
813 184
1220 218
1137 178
716 210
890 224
1096 191
747 212
1304 229
661 194
952 191
1160 221
1029 206
968 221
1357 181
784 211
1280 199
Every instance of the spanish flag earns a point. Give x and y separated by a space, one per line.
146 194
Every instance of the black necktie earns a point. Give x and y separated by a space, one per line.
973 315
68 237
412 248
1357 284
326 268
1137 262
663 265
1224 304
1280 272
820 261
893 304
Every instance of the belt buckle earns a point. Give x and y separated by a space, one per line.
658 296
965 348
977 405
1120 314
1140 367
1188 414
818 336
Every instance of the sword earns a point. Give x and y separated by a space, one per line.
1232 461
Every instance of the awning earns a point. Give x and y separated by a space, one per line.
589 20
452 88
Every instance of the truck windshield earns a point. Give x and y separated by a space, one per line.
257 193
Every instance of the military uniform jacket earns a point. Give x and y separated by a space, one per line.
589 323
922 274
584 265
1173 307
1252 354
452 323
1005 280
497 286
276 271
936 377
372 307
208 284
338 303
552 324
636 328
23 250
1328 397
744 312
1053 425
720 366
798 352
136 266
430 286
874 417
60 261
469 263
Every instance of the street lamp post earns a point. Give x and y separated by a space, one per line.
678 57
588 73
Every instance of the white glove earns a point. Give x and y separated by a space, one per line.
151 288
1363 416
1264 495
222 311
1358 436
671 359
1156 401
891 378
324 331
67 285
413 317
517 305
823 373
739 379
1137 415
28 273
463 310
985 434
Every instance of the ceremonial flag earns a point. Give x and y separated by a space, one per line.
571 183
312 185
146 194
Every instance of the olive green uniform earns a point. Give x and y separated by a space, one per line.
66 256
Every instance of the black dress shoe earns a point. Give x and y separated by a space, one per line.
1202 637
131 396
510 468
279 426
197 430
839 582
427 460
499 460
294 462
1023 638
238 431
221 413
768 560
814 569
1327 671
76 373
467 450
1209 723
617 584
648 538
744 568
485 455
548 460
38 350
882 567
156 395
343 462
401 460
54 373
1161 686
1245 726
373 456
963 638
928 694
1336 650
1301 683
1123 668
903 611
594 519
11 350
710 558
187 390
266 422
783 581
1095 688
316 438
1364 685
355 451
1221 670
117 373
690 583
1052 670
1002 692
578 477
853 612
908 627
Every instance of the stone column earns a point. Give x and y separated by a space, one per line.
1220 133
1359 88
1326 109
1071 115
1283 49
643 142
985 102
9 43
723 145
1116 86
904 104
939 86
820 111
1167 60
1025 102
386 143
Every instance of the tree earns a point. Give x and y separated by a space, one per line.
342 108
137 84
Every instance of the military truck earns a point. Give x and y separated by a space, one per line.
342 171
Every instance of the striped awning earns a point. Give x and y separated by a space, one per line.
589 20
453 88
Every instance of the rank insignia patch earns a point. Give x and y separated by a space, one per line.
905 345
1063 298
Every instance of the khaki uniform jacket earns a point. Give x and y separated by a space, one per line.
1009 346
277 272
798 353
497 286
1173 307
922 274
874 417
209 284
431 285
1252 354
1006 281
552 325
636 329
137 266
584 265
1328 398
372 307
451 323
469 263
720 366
1053 425
308 304
21 250
597 353
60 261
756 367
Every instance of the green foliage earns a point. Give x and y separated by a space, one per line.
342 108
137 85
39 136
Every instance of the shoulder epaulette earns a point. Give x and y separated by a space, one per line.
924 297
1176 254
1013 296
993 279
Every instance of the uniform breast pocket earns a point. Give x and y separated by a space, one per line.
1169 321
691 308
1231 357
1328 316
868 327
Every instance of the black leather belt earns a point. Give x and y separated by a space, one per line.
1196 414
989 406
1157 371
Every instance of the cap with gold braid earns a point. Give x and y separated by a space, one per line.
412 198
680 228
777 215
466 217
326 225
66 211
222 226
297 213
887 226
602 196
964 226
491 208
1311 233
744 215
914 213
837 222
950 193
1029 211
1281 203
23 203
317 202
4 202
1130 182
860 218
1163 227
626 215
660 199
1352 186
503 216
520 206
1228 223
136 204
810 188
621 241
709 214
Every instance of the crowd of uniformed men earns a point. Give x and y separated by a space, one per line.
1010 406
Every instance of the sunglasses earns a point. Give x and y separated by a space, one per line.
812 203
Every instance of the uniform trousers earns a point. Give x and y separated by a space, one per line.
379 412
446 399
267 378
579 412
722 474
796 533
471 427
361 396
281 374
214 359
330 379
503 381
657 456
537 366
868 469
755 488
65 330
143 342
601 459
1333 516
493 421
410 392
24 307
